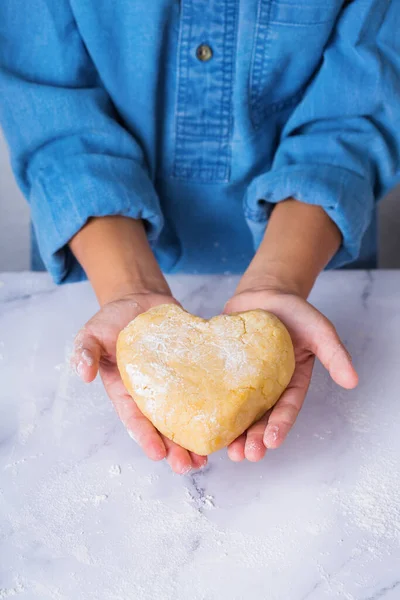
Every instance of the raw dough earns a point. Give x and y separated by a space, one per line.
202 383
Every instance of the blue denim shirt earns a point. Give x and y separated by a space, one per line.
110 108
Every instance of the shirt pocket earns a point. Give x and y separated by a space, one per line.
289 42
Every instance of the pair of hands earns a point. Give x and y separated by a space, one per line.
312 335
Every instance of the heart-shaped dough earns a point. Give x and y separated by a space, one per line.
202 383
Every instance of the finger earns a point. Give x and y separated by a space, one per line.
145 434
330 350
86 356
254 449
177 457
341 368
236 448
198 461
285 411
138 426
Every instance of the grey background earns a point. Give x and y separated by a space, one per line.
14 223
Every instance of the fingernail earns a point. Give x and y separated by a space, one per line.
252 445
186 470
78 344
132 435
79 369
271 435
87 357
226 307
199 467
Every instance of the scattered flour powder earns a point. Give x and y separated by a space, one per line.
86 526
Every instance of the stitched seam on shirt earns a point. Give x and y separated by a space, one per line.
279 105
300 168
260 111
178 90
189 130
254 56
221 118
211 179
300 5
265 59
262 40
43 181
183 77
256 216
294 24
230 43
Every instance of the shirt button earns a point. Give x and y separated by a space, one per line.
204 52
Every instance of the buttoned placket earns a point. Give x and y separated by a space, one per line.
206 63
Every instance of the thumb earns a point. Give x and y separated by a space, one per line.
332 353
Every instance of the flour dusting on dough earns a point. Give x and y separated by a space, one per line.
143 384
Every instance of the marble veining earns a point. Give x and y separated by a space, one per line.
83 515
366 293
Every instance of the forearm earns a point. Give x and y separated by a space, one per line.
116 257
299 242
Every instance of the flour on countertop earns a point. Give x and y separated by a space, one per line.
373 504
96 500
129 530
202 501
156 527
153 550
115 470
11 592
21 461
209 501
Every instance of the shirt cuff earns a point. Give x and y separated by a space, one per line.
346 197
66 194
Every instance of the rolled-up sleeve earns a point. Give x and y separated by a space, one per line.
340 148
70 154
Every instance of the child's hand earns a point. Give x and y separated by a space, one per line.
95 348
313 336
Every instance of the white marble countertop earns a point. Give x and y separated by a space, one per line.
83 515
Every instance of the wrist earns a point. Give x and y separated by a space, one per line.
117 259
298 243
110 291
274 278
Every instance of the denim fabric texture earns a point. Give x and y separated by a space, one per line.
109 108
